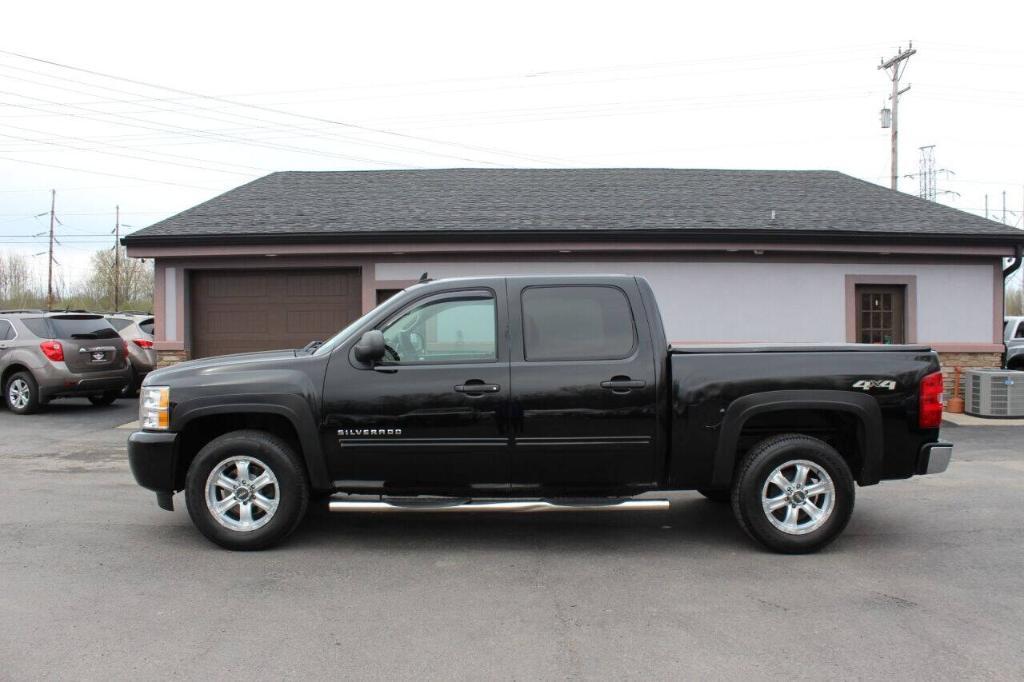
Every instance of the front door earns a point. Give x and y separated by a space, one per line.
584 388
433 416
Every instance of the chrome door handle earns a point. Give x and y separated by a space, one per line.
623 384
477 388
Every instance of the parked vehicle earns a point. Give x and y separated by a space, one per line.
47 355
534 394
137 329
1013 335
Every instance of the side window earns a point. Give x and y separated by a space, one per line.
6 331
37 326
119 323
577 323
460 328
1020 330
147 326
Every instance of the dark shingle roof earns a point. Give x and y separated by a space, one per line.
462 203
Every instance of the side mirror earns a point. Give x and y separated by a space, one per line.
370 348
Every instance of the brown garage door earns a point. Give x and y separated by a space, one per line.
250 310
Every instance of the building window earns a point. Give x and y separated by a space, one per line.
880 314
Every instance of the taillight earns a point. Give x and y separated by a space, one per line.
929 412
143 343
52 350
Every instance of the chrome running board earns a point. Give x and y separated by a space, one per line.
506 506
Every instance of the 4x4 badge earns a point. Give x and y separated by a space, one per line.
868 384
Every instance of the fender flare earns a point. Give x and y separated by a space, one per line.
291 407
864 407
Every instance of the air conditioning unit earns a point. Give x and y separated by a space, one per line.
994 393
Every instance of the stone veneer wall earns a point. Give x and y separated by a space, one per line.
165 358
950 361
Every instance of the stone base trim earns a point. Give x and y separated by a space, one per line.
166 358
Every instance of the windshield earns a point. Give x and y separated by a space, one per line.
330 344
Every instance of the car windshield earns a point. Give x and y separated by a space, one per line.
330 344
82 327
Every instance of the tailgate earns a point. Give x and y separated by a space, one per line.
90 343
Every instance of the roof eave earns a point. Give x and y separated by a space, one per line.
731 235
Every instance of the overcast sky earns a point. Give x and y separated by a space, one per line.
446 84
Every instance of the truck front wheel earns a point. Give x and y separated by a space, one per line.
246 490
793 493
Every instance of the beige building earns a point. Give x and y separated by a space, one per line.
734 256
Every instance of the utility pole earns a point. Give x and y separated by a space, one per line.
49 269
895 68
117 257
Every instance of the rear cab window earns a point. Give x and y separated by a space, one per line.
577 323
82 327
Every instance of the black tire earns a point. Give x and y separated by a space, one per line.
721 496
29 382
132 389
753 474
292 489
103 399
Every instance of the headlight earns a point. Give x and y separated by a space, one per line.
154 407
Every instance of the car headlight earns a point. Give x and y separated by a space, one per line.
154 407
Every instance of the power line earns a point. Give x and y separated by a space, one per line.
258 107
112 175
126 156
188 131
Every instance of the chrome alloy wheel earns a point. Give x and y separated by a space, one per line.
18 394
242 493
798 497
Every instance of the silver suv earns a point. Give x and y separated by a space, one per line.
137 329
47 355
1013 334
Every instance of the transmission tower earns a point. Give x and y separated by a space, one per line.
927 175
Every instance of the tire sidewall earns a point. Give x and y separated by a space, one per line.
750 486
282 462
33 387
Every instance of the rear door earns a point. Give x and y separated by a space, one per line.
583 386
90 343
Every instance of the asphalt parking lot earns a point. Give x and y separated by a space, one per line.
96 582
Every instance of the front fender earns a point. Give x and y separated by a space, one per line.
293 407
862 406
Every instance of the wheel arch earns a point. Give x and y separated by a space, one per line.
198 426
862 408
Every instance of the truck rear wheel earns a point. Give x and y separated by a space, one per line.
246 490
793 493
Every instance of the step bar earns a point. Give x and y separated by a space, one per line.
503 506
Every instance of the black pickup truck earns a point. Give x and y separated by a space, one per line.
514 394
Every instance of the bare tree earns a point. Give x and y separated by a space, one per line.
132 278
1015 300
16 284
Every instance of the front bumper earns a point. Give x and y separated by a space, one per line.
934 458
153 459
